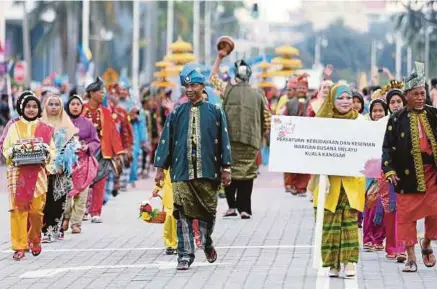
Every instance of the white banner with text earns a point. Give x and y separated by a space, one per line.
326 146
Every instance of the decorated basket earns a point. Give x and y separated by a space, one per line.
29 152
151 215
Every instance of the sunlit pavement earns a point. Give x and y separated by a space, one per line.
272 250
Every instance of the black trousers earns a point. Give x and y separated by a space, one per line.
53 211
242 189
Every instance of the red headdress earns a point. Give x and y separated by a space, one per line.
303 79
292 82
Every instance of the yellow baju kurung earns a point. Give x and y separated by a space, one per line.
170 237
20 235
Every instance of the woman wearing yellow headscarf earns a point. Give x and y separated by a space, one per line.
344 197
60 183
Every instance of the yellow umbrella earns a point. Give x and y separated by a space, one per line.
264 65
287 62
283 72
163 83
180 58
163 64
166 73
286 50
265 74
180 46
266 84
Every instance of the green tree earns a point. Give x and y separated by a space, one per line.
413 23
66 26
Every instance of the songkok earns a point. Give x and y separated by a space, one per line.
417 77
292 82
191 73
242 70
96 85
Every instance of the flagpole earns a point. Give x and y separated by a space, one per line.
85 25
196 28
135 45
170 23
208 7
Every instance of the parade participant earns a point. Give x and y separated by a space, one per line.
291 93
59 183
169 234
322 93
86 168
15 119
373 234
152 132
408 161
110 144
124 127
138 121
27 185
298 106
195 147
248 120
340 243
395 100
358 101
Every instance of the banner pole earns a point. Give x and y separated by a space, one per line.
318 230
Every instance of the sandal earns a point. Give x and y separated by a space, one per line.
379 247
18 255
410 267
35 249
368 247
391 256
65 225
401 257
426 252
76 229
211 255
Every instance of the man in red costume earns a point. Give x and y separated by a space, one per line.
298 106
124 127
110 143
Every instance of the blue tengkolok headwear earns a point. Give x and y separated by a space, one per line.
192 73
124 82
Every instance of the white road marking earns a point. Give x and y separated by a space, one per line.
47 273
162 248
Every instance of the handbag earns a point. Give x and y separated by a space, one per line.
106 166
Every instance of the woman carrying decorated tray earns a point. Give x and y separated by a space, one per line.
27 185
85 170
60 183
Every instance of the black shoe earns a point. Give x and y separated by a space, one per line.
170 251
115 193
183 265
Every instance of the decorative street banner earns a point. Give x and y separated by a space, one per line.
326 146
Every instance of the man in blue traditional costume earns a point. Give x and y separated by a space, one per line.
195 147
137 118
248 119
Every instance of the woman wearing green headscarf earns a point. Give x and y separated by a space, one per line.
344 197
